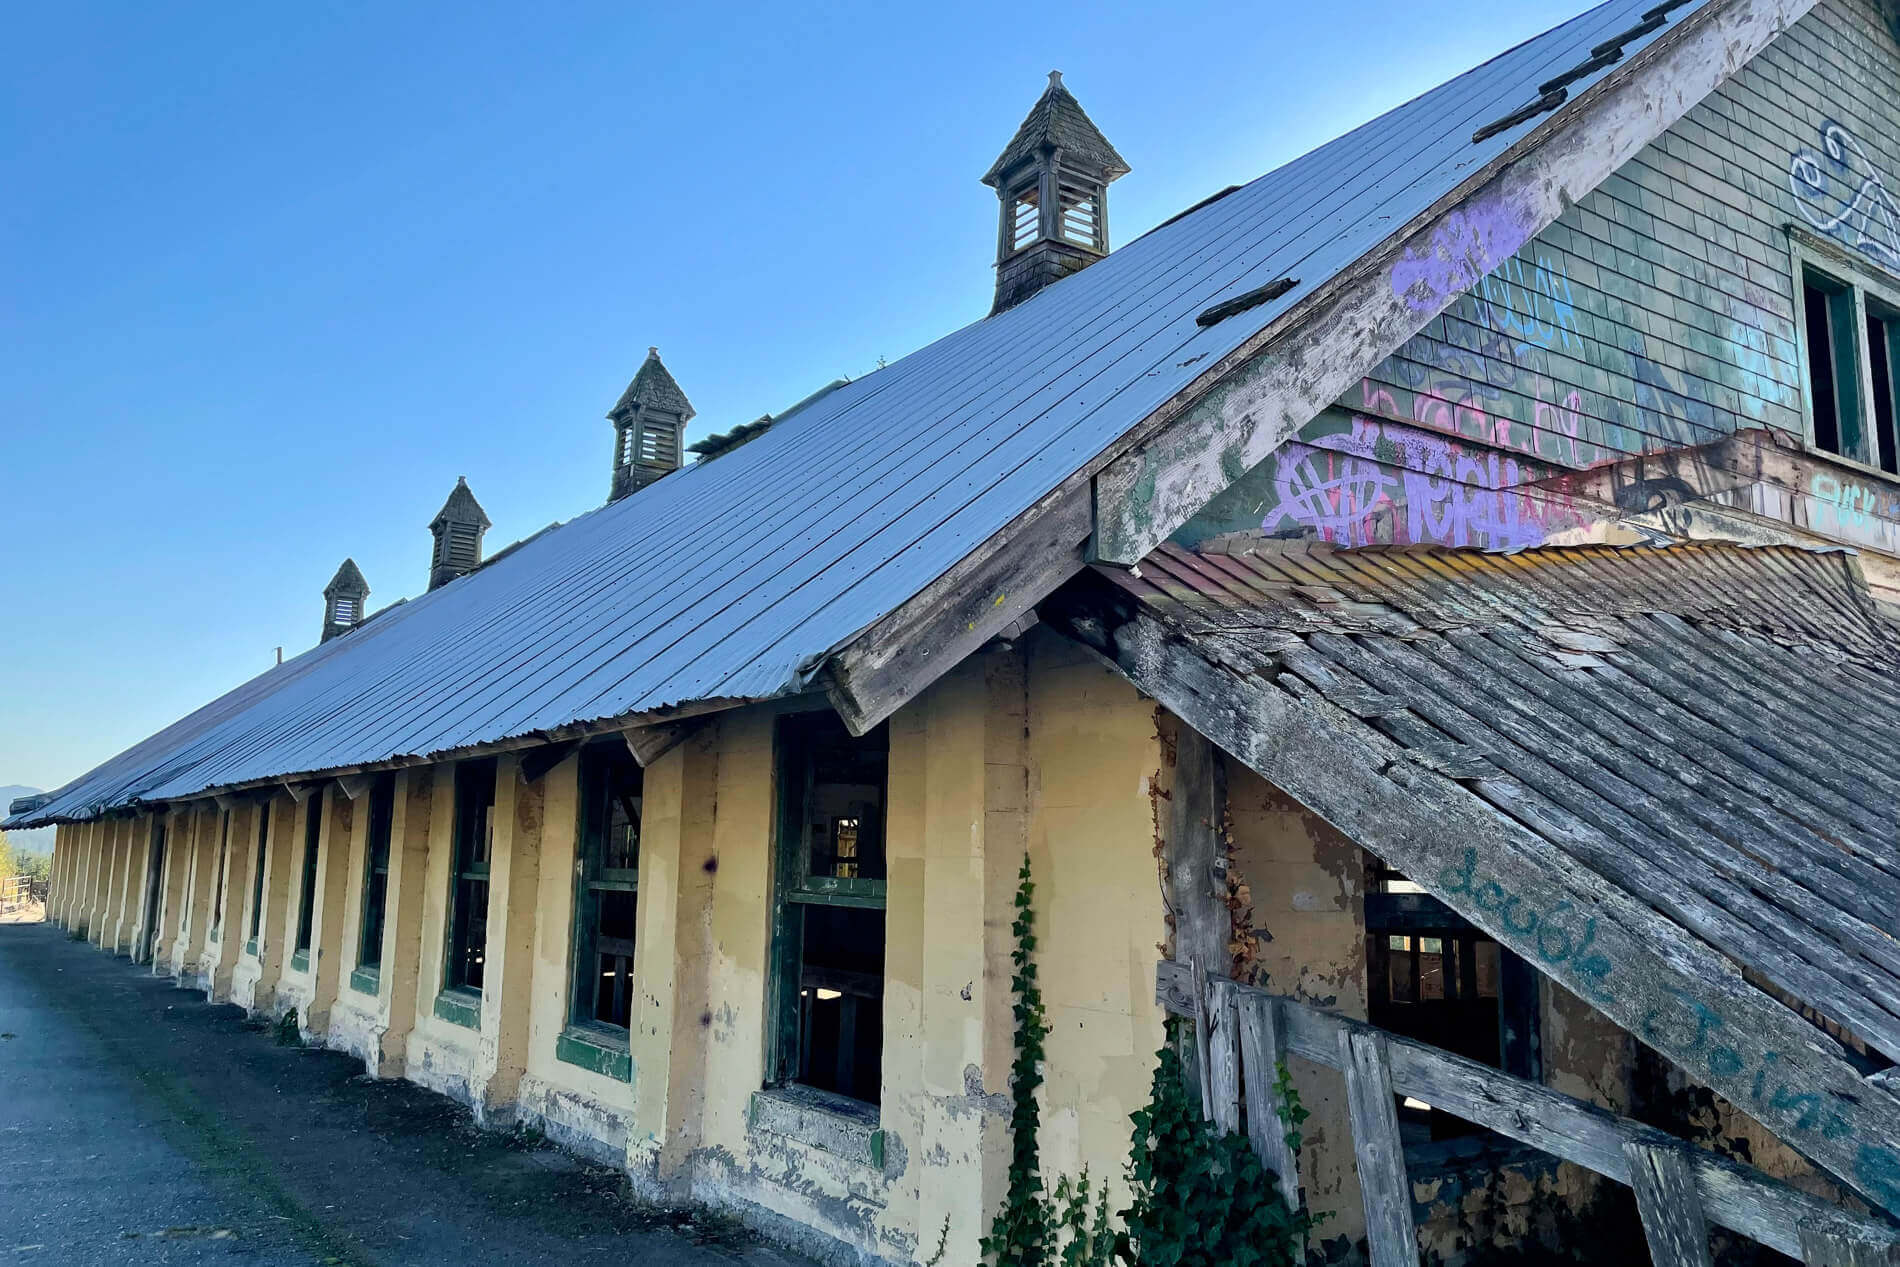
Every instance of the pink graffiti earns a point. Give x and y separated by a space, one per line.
1555 435
1387 482
1468 244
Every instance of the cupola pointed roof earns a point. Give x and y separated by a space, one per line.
461 507
348 579
653 388
1057 121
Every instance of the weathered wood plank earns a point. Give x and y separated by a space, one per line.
1197 889
649 743
1737 1197
1628 960
1260 1057
1256 398
1380 1157
1673 1222
1203 1061
1223 1056
1826 1246
984 594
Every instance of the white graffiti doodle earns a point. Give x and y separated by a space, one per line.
1868 219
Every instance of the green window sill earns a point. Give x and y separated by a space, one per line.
300 961
459 1007
367 979
596 1052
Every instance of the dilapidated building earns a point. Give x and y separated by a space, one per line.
1424 613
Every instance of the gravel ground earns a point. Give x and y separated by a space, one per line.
139 1124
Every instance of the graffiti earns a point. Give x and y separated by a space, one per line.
1388 484
1529 304
1846 178
1853 504
1469 243
1560 933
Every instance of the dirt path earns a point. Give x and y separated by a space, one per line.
140 1124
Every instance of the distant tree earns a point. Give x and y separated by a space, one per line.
8 866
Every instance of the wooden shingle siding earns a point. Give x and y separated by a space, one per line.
1659 311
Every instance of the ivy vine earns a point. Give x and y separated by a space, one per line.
1021 1233
1200 1198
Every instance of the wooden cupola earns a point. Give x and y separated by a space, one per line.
649 428
458 529
343 600
1052 179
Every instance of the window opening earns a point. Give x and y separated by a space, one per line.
608 885
257 869
382 811
1851 327
217 887
307 894
468 892
831 899
1434 977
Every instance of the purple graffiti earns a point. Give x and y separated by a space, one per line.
1470 243
1380 483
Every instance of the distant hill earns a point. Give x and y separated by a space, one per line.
40 839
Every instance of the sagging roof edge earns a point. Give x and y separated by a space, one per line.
514 743
863 709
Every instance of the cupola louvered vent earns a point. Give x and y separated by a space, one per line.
343 600
458 529
1053 180
649 428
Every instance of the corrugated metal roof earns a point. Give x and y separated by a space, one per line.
721 581
1698 724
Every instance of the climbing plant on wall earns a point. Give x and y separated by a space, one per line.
1201 1197
1021 1233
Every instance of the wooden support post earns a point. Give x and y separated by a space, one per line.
1197 880
1390 1235
1260 1057
1203 1075
1223 1056
1673 1222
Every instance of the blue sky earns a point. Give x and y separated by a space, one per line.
272 276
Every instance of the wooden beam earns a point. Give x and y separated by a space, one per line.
1825 1246
1256 398
1738 1197
536 762
1196 857
1260 1057
982 596
649 743
1380 1157
1223 1056
300 792
354 785
1673 1222
1626 959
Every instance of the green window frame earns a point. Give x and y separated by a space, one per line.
1849 324
382 813
468 877
606 886
307 893
257 870
827 991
